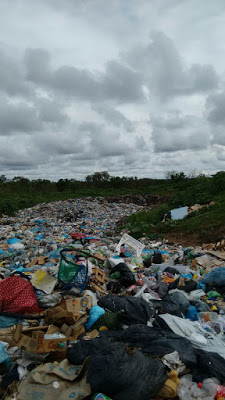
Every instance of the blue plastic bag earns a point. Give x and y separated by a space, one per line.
192 313
4 357
95 313
13 241
216 277
200 285
5 322
39 237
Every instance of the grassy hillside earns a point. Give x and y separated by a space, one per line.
21 193
208 224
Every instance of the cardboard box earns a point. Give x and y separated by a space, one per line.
69 311
36 343
78 304
61 382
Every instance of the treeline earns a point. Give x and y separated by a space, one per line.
100 180
183 189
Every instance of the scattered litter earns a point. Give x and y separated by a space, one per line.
179 213
88 311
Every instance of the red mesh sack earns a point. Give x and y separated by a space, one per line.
17 296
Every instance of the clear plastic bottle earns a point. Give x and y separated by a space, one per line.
211 387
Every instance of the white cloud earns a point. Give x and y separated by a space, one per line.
98 85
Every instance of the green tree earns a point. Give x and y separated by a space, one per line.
218 182
175 176
98 178
3 179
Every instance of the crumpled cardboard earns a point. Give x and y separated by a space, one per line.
69 311
78 304
37 260
61 382
6 334
218 254
45 373
34 341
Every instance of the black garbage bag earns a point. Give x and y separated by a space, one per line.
126 373
172 270
135 309
114 287
189 286
159 323
120 371
155 342
167 306
78 353
201 306
162 289
126 278
209 365
11 376
181 299
174 285
147 263
157 258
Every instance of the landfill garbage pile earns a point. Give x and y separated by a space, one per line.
86 313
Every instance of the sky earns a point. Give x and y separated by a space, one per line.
132 87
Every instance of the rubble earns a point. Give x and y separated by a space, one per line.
86 312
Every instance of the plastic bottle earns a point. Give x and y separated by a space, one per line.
65 345
188 390
100 396
212 387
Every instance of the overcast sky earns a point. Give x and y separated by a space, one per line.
134 87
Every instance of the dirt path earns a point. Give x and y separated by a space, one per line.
184 239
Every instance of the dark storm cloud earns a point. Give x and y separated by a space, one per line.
218 136
38 65
114 116
51 111
18 118
176 133
105 141
79 79
215 111
118 82
61 142
12 79
215 106
164 71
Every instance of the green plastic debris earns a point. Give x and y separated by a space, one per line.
153 236
115 275
201 270
212 294
110 319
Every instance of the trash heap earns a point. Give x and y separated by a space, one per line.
89 314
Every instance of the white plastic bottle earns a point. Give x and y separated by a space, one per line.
212 388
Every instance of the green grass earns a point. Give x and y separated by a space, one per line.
208 224
10 202
13 198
